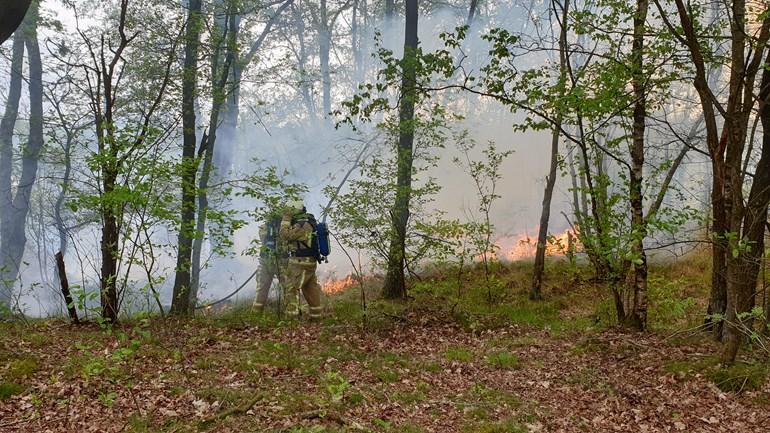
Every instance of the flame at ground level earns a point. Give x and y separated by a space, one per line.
331 286
508 248
523 246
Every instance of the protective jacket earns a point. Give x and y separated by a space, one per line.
297 234
272 260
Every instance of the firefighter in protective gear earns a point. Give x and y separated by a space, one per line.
272 260
297 235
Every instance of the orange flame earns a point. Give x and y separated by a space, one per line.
336 286
522 246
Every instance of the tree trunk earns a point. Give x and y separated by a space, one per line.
545 214
636 312
324 36
65 288
472 12
725 149
14 238
109 249
227 145
180 301
395 284
8 266
305 87
390 10
718 295
743 267
355 48
219 93
66 180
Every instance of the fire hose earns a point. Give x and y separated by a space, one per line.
211 304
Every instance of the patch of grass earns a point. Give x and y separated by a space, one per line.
388 367
241 316
431 366
330 347
410 428
460 354
533 313
503 360
355 399
140 424
387 375
589 345
480 393
345 311
585 377
688 368
21 369
9 389
590 378
740 377
673 305
37 339
229 397
409 397
207 363
275 354
502 426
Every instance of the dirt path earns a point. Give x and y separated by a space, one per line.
418 377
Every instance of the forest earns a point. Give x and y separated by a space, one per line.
384 216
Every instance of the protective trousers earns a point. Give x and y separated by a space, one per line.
300 276
269 268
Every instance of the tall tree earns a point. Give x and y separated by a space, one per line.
7 125
472 11
390 10
220 74
550 182
13 215
324 20
125 126
636 310
749 246
395 283
181 291
725 147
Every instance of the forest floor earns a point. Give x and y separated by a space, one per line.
441 362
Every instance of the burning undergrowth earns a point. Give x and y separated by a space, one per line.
513 248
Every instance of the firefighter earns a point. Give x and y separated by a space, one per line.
298 234
272 260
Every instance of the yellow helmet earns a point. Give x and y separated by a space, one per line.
295 204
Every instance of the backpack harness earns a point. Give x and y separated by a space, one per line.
319 247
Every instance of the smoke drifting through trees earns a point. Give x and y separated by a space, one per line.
281 134
295 61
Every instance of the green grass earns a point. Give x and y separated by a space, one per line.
389 367
742 376
228 397
21 368
274 354
503 360
503 426
459 354
38 340
492 397
9 389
